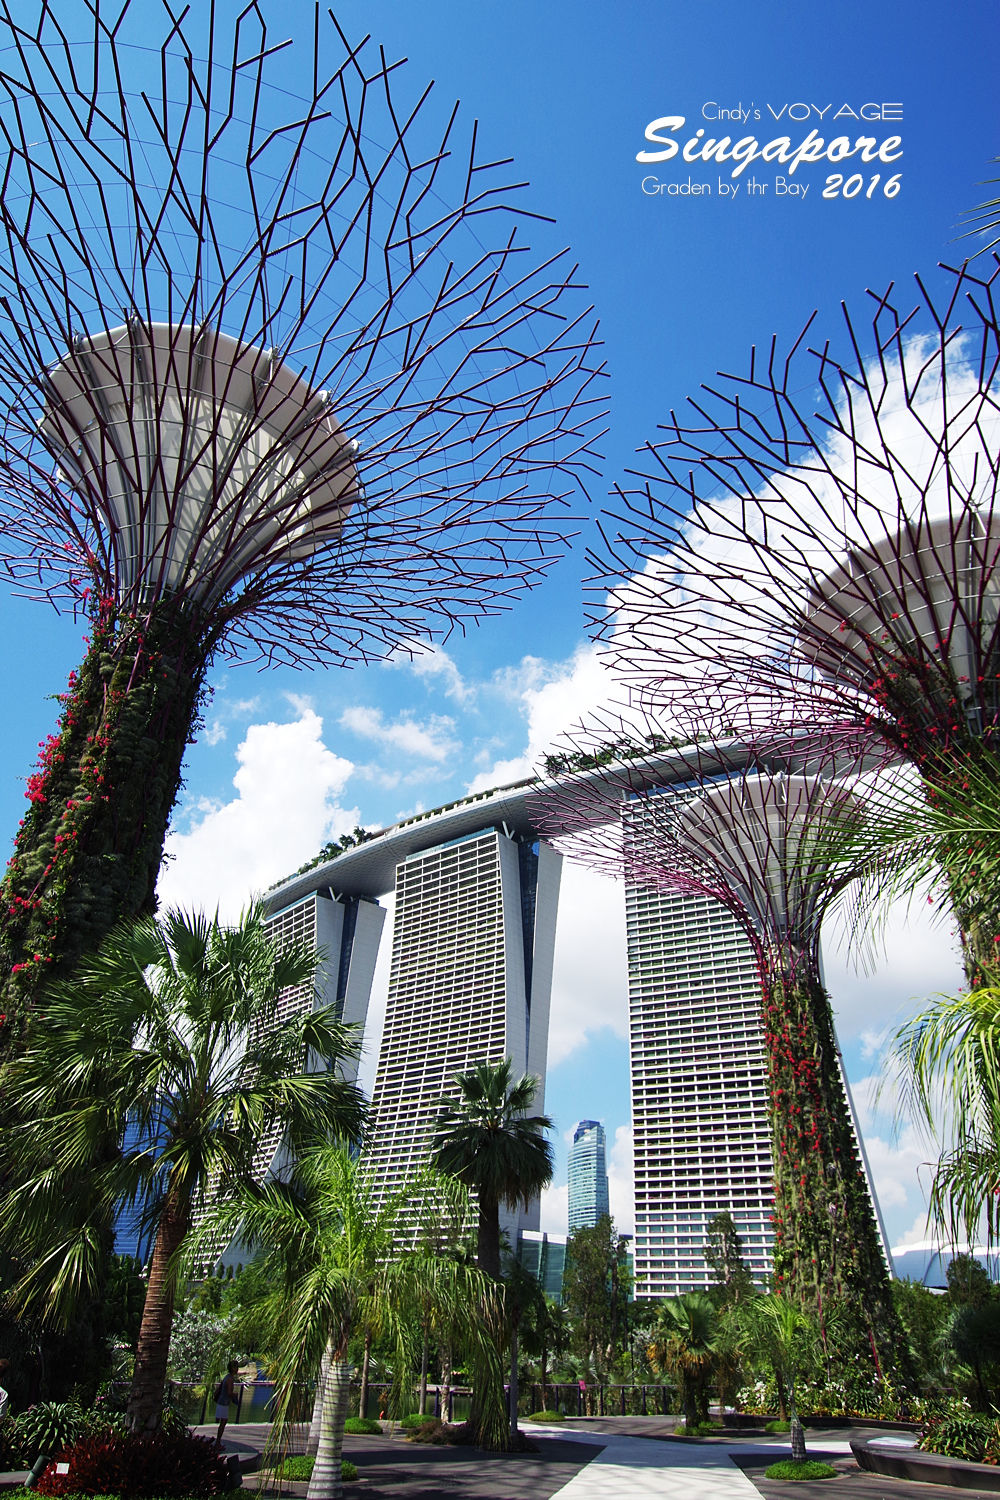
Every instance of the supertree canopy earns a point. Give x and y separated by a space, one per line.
752 831
279 378
825 533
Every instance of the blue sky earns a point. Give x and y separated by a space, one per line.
684 286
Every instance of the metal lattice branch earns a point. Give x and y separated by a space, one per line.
828 527
751 827
279 377
289 359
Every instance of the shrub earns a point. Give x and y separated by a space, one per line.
799 1468
348 1470
138 1466
430 1430
963 1437
10 1449
697 1429
992 1454
364 1426
296 1466
413 1421
546 1416
777 1426
48 1427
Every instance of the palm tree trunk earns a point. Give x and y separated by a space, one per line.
365 1367
424 1353
779 1381
798 1438
513 1387
312 1446
488 1237
690 1399
145 1402
544 1374
327 1480
445 1356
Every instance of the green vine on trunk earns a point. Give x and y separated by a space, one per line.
88 851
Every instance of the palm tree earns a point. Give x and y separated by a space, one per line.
171 1029
488 1141
683 1345
776 1335
945 1063
330 1248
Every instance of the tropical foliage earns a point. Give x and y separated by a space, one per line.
596 1285
330 1243
945 1063
488 1141
683 1346
167 1040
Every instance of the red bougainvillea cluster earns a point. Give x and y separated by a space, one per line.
83 859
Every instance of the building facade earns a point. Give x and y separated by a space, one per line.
543 1256
588 1176
346 930
699 1096
469 981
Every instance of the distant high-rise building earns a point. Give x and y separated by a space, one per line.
588 1176
469 981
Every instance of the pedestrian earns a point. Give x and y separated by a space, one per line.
225 1395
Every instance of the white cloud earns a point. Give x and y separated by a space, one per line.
552 698
554 1211
899 1157
433 741
286 807
590 977
917 1233
916 958
432 661
621 1180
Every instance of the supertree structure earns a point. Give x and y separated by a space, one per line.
824 531
279 379
751 830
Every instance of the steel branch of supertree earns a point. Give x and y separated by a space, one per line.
826 538
752 829
827 528
280 377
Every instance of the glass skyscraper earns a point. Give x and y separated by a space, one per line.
588 1176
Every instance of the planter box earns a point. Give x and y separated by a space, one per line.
930 1468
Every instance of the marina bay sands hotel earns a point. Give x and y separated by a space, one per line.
476 900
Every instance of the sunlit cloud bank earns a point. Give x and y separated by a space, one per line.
287 804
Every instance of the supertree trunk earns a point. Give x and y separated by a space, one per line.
827 1252
87 853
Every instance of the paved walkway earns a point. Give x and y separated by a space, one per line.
633 1466
597 1462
